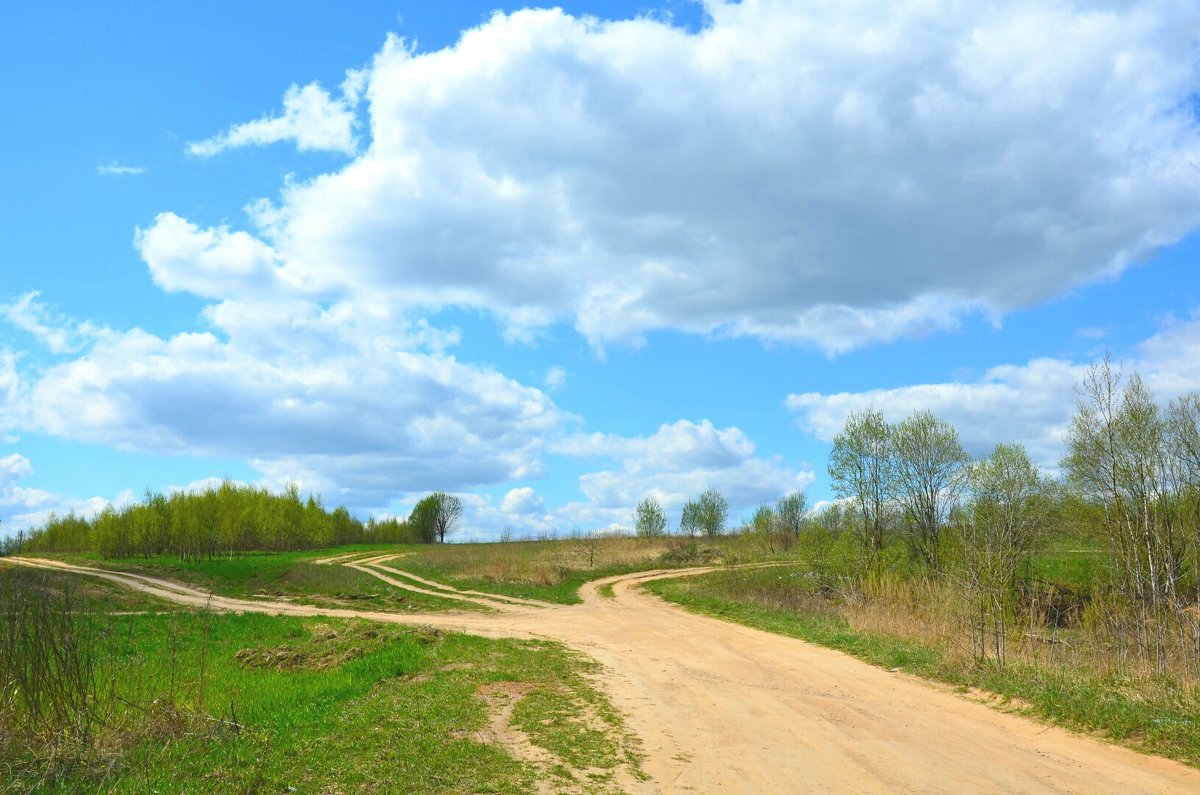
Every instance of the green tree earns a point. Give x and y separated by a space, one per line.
651 521
1007 510
707 514
435 516
862 469
929 466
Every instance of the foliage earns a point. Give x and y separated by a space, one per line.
705 514
651 520
1007 511
1140 466
790 511
435 516
862 470
929 466
224 521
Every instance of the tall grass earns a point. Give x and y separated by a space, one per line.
70 705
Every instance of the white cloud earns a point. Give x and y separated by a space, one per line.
1031 403
311 118
521 501
347 409
211 263
834 174
674 464
59 335
556 378
115 169
23 508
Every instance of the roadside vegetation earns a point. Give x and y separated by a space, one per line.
1074 599
248 703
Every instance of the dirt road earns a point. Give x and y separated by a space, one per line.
725 708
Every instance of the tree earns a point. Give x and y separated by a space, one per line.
1127 457
689 518
710 513
790 512
435 516
651 521
928 463
764 525
862 469
1007 510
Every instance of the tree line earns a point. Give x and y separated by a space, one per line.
231 519
909 497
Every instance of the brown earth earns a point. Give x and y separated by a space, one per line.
725 708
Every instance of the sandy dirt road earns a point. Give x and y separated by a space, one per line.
725 708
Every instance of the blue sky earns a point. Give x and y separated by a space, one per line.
558 260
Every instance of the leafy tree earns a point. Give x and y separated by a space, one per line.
928 465
862 469
435 516
689 518
706 513
1007 510
1138 463
651 521
764 526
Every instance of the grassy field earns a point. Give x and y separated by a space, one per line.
249 703
894 626
291 575
553 570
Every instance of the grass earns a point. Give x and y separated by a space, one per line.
252 703
553 571
1069 562
291 575
914 632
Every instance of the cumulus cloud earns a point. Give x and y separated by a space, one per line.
356 410
1031 403
311 118
834 174
521 501
674 464
211 263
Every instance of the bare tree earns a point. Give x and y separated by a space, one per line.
928 465
862 470
790 512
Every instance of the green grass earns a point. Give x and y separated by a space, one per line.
326 705
1070 562
92 595
1160 716
285 574
553 571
